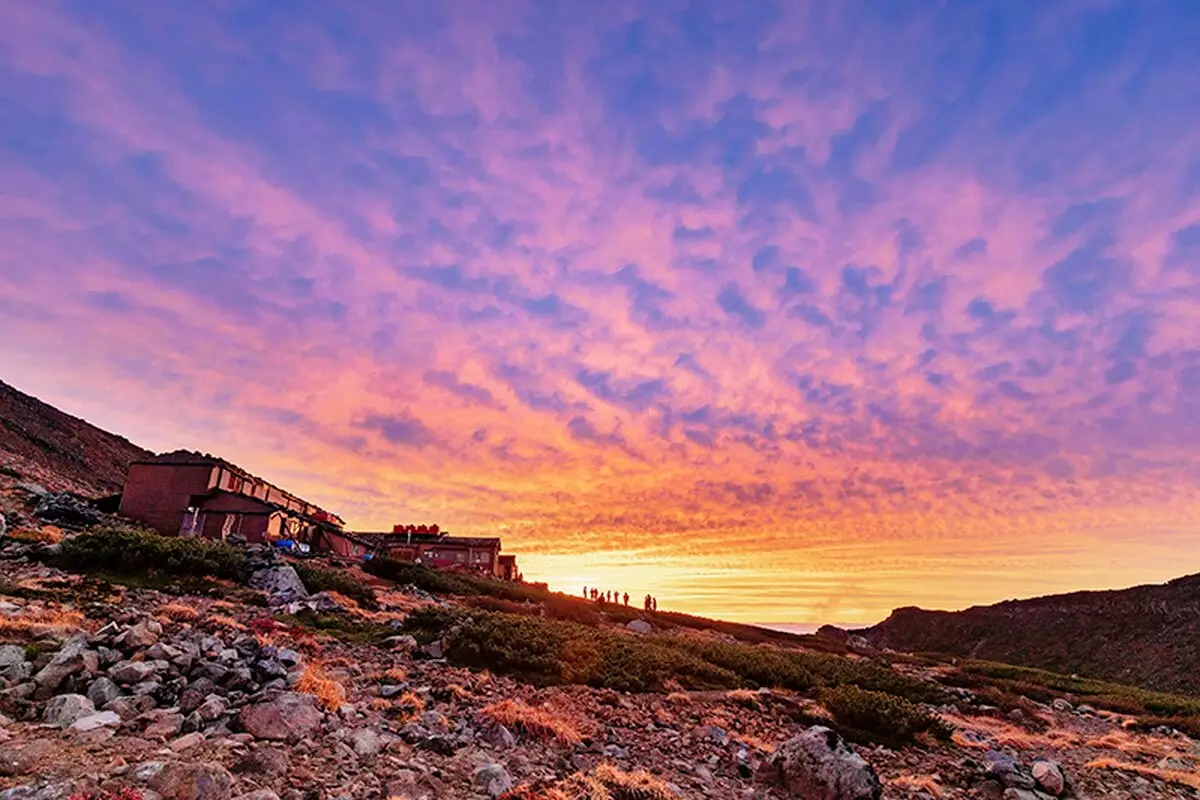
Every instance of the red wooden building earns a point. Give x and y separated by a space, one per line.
438 550
190 494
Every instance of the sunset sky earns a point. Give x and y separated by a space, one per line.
784 312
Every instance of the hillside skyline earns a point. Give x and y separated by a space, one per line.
784 314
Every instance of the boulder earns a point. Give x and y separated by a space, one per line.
101 719
819 765
1049 777
263 761
493 780
192 781
1005 769
163 724
132 672
639 626
11 655
103 691
281 584
288 717
72 658
140 636
63 710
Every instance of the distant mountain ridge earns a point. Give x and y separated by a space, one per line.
1146 635
60 451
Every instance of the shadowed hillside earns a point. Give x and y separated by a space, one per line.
1146 635
40 443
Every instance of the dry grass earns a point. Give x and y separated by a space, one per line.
409 704
913 783
329 693
1006 734
679 697
394 675
349 602
762 745
606 782
224 623
1139 746
1190 779
744 698
535 722
178 612
41 621
46 535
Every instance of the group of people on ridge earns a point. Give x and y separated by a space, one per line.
597 596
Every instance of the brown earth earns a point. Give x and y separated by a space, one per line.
63 453
1146 636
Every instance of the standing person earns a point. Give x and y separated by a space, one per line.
646 603
585 593
654 604
627 598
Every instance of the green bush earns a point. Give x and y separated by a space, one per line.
546 650
123 549
868 716
324 579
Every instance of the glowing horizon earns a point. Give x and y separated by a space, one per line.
790 313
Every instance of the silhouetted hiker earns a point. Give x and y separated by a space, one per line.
585 594
627 598
654 604
646 605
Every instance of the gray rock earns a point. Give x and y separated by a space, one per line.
498 736
103 691
260 794
162 724
819 765
1059 704
66 510
1049 777
281 584
290 716
131 672
11 655
101 719
140 636
1005 769
493 780
639 626
61 711
72 658
213 708
365 741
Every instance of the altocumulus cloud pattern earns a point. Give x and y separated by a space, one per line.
785 310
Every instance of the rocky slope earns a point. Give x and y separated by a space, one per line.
1146 636
42 444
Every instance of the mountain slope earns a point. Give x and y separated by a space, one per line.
58 450
1147 635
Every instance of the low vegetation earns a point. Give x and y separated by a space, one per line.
865 716
326 579
546 651
127 550
1005 682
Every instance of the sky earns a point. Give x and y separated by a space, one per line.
782 311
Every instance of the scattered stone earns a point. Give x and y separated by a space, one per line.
819 765
66 510
140 636
74 657
103 691
493 780
1049 777
263 761
24 759
288 717
640 626
63 710
101 719
192 781
281 584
